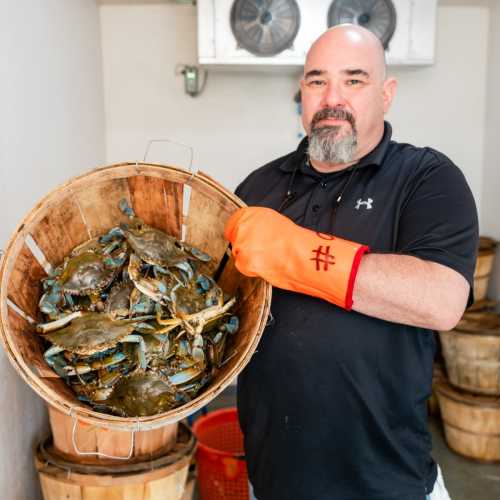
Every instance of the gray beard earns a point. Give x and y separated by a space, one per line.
326 148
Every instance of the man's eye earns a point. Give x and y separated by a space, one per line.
316 83
353 81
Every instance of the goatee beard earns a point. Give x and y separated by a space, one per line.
325 147
324 143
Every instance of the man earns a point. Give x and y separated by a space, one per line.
370 245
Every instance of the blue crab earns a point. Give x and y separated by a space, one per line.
90 333
156 247
142 394
89 273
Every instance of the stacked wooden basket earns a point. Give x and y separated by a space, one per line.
469 399
91 454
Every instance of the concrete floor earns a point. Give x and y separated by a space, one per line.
465 479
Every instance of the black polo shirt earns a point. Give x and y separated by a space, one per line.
333 403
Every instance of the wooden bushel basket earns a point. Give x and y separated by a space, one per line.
87 206
484 265
471 423
472 353
157 479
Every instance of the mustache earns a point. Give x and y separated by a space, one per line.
333 113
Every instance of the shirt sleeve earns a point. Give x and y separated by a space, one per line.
438 221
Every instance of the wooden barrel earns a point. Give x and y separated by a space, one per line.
183 204
484 265
90 443
471 423
472 353
164 477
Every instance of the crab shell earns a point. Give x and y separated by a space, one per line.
90 333
189 299
86 273
142 394
156 247
157 290
118 302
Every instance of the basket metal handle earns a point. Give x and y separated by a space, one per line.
99 453
191 151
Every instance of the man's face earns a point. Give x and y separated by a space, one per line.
344 98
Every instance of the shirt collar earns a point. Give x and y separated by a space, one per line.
374 157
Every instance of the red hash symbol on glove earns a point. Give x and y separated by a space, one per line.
323 257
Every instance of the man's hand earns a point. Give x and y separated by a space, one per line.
271 246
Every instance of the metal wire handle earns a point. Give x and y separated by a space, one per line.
99 453
191 151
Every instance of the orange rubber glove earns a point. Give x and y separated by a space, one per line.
269 245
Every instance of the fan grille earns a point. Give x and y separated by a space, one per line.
265 27
379 16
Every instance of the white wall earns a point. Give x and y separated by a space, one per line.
444 105
238 123
51 128
245 119
491 176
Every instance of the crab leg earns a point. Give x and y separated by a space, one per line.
82 368
54 325
185 375
141 348
194 323
153 288
50 356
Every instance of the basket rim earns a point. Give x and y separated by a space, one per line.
444 389
182 449
79 411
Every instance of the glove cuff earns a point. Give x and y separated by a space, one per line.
352 276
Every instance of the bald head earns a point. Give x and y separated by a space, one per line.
345 95
352 41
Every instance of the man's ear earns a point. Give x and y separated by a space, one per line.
388 92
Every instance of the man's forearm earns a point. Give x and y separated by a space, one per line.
408 290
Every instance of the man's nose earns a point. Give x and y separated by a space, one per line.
333 96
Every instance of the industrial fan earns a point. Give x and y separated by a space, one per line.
265 27
379 16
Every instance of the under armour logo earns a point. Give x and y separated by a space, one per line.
323 257
368 203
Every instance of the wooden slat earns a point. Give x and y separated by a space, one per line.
60 230
99 204
189 490
129 492
157 202
148 442
115 443
25 341
54 489
230 278
208 214
24 288
59 391
175 484
62 430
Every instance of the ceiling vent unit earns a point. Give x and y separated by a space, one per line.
280 32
